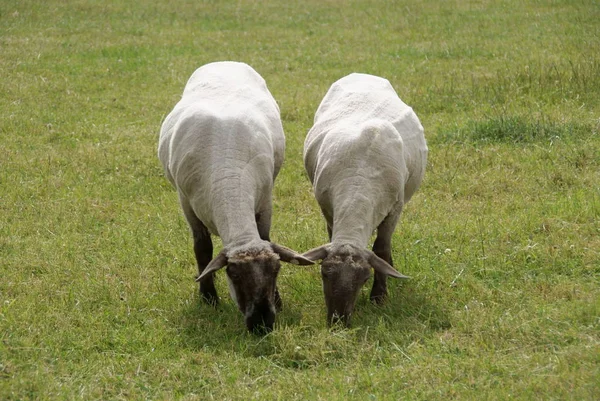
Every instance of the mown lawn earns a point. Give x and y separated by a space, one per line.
97 292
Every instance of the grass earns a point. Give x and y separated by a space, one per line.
97 298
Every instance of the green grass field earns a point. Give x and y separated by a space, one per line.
97 292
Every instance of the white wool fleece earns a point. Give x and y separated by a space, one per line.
222 147
365 155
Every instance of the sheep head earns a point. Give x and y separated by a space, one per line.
344 270
252 276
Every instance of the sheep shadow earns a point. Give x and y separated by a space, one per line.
410 310
409 307
221 327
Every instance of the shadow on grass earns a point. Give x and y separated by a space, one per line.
410 313
203 325
222 327
409 308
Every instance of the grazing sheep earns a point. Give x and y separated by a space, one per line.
222 147
366 156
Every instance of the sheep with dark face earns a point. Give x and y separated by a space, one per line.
366 156
222 147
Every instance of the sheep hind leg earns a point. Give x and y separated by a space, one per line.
383 248
263 224
203 250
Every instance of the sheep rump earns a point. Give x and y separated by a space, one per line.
366 154
222 147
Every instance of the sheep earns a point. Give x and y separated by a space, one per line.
365 156
222 147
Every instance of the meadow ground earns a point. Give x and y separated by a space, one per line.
97 292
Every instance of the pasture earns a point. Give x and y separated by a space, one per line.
502 241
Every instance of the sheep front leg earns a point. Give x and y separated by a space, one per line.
383 248
203 250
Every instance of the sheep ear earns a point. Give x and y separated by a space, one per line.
383 267
214 265
319 253
287 255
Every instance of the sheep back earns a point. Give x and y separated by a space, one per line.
366 152
223 144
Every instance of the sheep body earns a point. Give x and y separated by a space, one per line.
365 155
222 147
364 137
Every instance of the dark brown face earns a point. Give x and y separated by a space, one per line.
252 282
343 275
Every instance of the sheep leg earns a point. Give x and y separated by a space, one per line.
383 248
263 224
278 302
329 220
203 250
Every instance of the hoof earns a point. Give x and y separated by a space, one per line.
378 297
210 297
278 301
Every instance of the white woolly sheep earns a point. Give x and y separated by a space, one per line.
366 156
222 147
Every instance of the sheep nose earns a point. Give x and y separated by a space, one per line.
260 319
260 325
337 319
